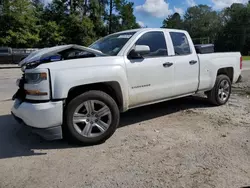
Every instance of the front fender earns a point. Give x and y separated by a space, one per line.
63 80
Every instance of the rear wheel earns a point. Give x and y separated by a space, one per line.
91 118
221 92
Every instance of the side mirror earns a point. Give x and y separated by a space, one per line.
139 51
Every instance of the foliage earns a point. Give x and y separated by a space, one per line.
18 24
30 23
50 34
78 31
202 21
235 36
246 58
173 21
228 29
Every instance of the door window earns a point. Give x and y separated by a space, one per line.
180 42
4 50
156 42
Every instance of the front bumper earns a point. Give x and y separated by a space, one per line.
44 119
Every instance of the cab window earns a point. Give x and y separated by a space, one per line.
156 42
180 42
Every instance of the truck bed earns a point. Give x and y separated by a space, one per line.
210 63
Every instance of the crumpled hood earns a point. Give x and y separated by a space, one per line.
36 56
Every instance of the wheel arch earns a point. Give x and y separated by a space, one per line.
228 71
112 88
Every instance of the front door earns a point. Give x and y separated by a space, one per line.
151 77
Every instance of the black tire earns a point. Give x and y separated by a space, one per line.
72 135
213 96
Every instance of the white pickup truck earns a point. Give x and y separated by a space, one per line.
79 92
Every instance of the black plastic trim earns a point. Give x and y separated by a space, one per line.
42 101
50 84
51 133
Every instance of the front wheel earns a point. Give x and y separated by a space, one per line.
91 118
221 92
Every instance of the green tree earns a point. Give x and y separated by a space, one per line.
96 14
50 34
235 34
120 16
202 21
56 11
38 8
128 20
78 31
30 23
173 21
18 23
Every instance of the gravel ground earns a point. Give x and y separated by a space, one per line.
180 143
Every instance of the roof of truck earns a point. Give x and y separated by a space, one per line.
152 29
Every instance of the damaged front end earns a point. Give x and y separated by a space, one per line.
58 53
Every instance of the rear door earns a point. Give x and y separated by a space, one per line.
186 64
151 77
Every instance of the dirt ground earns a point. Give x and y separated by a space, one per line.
181 143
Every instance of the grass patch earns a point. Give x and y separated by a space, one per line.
246 58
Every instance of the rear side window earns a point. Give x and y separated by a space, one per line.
156 42
180 42
4 50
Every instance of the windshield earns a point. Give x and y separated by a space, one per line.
112 44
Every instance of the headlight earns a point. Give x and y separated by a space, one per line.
35 77
36 84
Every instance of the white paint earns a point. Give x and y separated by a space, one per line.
142 81
124 36
40 115
211 63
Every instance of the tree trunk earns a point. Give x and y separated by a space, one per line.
110 15
85 6
71 6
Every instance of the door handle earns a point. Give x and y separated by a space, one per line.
193 62
167 64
